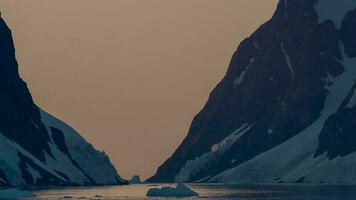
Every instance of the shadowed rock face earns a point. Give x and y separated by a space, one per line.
37 149
18 113
338 137
277 82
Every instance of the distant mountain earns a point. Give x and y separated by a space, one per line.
285 110
135 180
36 148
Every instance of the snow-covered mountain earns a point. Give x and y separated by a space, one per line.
36 148
285 110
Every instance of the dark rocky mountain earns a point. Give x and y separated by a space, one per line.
36 148
285 110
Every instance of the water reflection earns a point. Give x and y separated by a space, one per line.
217 192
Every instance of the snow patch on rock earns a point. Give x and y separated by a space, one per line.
240 79
229 140
287 58
94 163
62 164
352 102
192 167
34 173
91 162
9 161
334 10
294 158
270 131
256 45
13 160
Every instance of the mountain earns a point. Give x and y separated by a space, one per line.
286 109
135 180
36 148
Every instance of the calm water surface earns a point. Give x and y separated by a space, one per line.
218 192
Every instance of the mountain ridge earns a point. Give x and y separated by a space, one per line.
277 85
37 148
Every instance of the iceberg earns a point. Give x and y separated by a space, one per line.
180 190
135 180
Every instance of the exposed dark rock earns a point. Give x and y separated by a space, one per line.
24 135
277 82
338 137
18 113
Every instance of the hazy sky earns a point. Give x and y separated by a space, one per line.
129 75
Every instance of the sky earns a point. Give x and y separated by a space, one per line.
129 75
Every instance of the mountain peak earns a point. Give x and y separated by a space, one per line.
284 86
36 148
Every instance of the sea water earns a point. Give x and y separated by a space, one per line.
216 192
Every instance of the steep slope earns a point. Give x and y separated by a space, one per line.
36 148
285 90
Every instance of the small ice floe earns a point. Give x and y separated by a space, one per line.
180 190
15 194
153 185
67 197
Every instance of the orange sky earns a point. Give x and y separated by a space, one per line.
129 75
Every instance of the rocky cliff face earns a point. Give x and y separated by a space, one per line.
36 148
284 107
